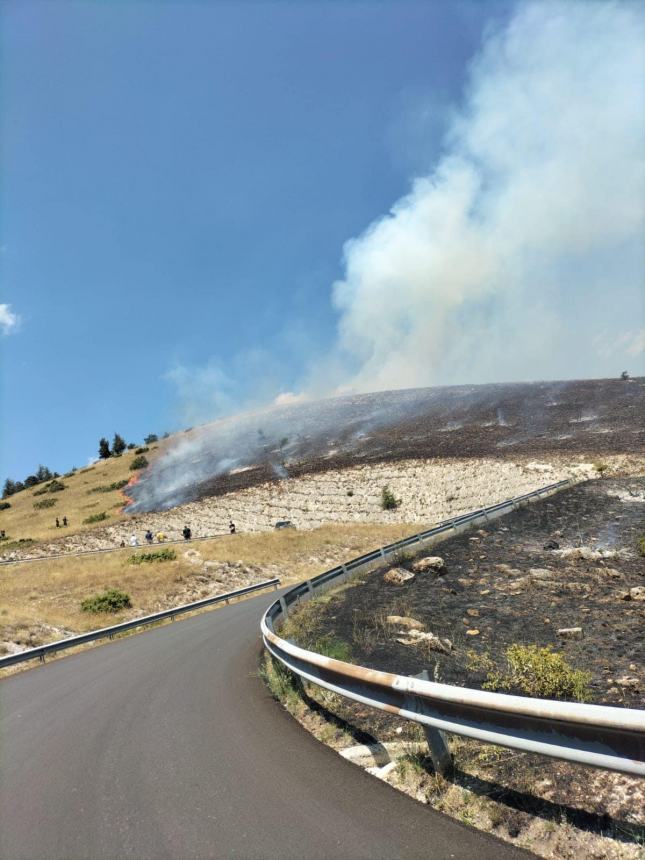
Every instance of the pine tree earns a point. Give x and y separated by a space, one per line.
118 445
9 488
150 438
104 449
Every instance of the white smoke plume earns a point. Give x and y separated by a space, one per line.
9 321
525 244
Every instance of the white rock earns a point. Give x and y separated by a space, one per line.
404 621
398 576
570 632
432 562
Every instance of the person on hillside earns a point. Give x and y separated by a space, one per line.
65 521
149 537
187 533
161 537
231 527
134 540
57 523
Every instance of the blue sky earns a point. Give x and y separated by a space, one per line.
178 183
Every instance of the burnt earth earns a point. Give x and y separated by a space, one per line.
487 586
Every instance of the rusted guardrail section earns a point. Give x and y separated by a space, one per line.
606 737
109 632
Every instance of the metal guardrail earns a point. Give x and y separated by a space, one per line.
110 632
596 735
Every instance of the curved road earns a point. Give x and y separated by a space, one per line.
166 744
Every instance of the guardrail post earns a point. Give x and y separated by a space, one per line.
439 752
285 611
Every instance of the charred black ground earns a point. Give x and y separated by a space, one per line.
590 416
487 586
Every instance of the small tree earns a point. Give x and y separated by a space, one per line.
9 488
31 481
44 474
150 438
118 445
139 462
388 500
104 449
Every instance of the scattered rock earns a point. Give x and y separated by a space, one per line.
474 613
628 681
570 633
398 576
586 553
551 544
417 637
432 562
472 632
462 580
609 571
636 593
540 573
404 621
193 557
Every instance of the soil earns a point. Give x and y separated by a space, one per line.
503 583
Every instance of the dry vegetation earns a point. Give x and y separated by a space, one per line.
80 500
41 600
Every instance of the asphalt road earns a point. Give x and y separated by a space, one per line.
166 744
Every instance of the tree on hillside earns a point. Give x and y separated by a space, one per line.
31 481
150 438
9 488
104 449
118 445
44 474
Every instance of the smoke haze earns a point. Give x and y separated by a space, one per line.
521 255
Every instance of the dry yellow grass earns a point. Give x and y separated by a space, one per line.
77 502
50 592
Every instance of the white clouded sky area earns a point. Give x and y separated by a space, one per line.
208 207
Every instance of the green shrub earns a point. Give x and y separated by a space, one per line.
330 646
150 438
40 492
142 450
111 600
96 518
131 446
388 501
54 486
108 488
601 468
21 543
139 462
537 672
350 493
641 545
157 555
4 506
46 503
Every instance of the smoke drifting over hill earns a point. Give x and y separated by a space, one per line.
524 248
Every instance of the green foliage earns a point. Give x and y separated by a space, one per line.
54 486
112 600
534 671
4 506
46 503
282 683
331 646
157 555
96 518
142 450
118 445
108 488
641 545
150 438
388 501
11 487
21 543
131 446
104 449
350 493
139 462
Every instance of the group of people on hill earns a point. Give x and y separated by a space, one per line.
58 523
161 537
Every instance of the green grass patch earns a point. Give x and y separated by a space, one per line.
45 503
108 488
156 555
96 518
534 671
640 543
112 600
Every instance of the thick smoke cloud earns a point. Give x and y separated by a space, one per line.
521 255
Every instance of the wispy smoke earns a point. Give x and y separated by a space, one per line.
526 241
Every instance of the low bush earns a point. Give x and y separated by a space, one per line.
21 543
535 671
40 492
601 468
139 462
157 555
330 646
108 488
641 545
96 518
4 506
142 450
46 503
52 487
111 600
388 501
